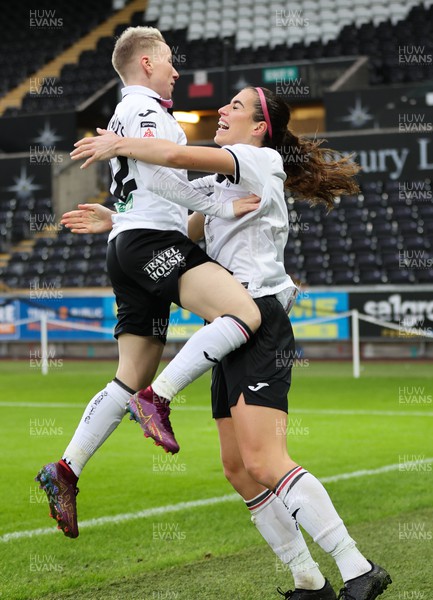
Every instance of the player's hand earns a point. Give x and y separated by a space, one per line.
89 218
243 206
101 147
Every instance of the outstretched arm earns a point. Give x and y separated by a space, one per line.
89 218
154 151
95 218
165 182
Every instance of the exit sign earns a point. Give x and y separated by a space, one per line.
273 74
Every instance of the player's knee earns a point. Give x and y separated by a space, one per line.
233 471
256 318
258 469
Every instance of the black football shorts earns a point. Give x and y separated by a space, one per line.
144 266
261 369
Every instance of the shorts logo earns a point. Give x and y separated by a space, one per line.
164 263
259 386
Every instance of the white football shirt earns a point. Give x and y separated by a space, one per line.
252 247
150 196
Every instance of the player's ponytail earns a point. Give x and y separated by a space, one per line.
314 173
317 174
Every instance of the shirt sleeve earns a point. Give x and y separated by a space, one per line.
204 184
255 166
167 184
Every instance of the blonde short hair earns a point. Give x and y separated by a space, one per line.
132 40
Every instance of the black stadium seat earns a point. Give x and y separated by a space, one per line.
372 277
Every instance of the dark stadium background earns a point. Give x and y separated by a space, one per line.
359 74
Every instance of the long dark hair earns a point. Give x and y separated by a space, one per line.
315 174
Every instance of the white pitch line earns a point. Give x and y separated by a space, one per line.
385 469
38 405
306 411
170 508
75 405
141 514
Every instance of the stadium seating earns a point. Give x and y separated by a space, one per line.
270 32
65 261
364 240
78 81
257 32
34 36
367 237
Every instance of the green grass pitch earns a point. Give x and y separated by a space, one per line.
337 426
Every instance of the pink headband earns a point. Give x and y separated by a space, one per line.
265 110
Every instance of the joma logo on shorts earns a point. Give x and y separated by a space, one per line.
163 263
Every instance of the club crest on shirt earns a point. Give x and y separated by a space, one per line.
123 205
148 129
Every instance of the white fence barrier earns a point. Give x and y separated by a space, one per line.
355 315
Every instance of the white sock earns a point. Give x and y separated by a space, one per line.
304 495
101 417
202 351
283 535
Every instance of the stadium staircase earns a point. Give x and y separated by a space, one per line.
71 55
